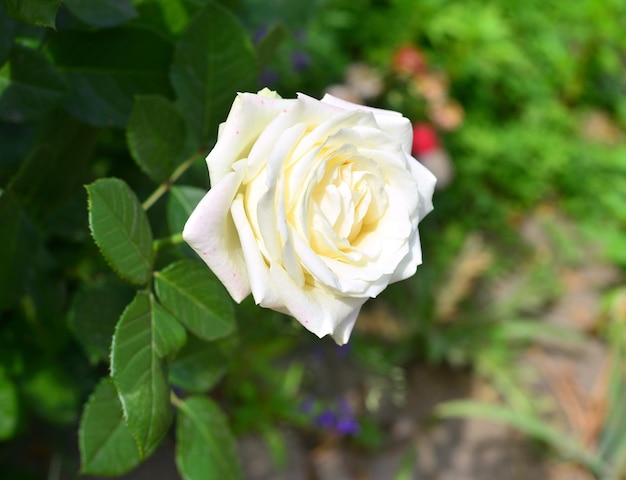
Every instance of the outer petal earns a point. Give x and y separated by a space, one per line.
392 123
425 186
317 310
249 116
342 332
408 266
210 231
258 272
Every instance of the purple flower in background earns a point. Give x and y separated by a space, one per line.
339 419
326 420
268 77
300 60
346 423
344 350
258 34
347 426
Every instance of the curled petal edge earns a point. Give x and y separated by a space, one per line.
210 231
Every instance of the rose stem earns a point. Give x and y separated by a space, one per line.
167 184
165 242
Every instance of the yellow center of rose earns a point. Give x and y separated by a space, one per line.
347 203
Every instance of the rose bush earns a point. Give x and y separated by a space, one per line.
313 207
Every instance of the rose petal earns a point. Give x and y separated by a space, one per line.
393 123
425 187
318 310
210 231
248 117
314 207
408 265
258 271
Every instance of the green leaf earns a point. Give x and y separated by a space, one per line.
107 446
29 86
169 334
156 136
67 148
34 12
17 141
9 407
121 230
269 44
107 68
165 16
196 298
52 394
8 28
200 364
19 242
93 316
180 203
44 302
140 376
213 60
205 447
102 13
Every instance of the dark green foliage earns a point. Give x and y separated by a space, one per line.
205 447
139 374
102 82
156 136
196 298
30 86
34 12
213 58
107 445
117 81
102 13
120 228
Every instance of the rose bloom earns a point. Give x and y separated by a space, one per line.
313 207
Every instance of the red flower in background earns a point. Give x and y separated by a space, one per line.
428 150
408 59
425 139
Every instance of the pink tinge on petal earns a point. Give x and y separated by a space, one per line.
210 231
254 228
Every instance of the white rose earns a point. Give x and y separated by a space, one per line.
313 207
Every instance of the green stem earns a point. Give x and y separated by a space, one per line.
174 400
170 241
167 184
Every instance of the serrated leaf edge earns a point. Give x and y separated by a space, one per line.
159 275
143 452
106 257
184 409
81 432
130 143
